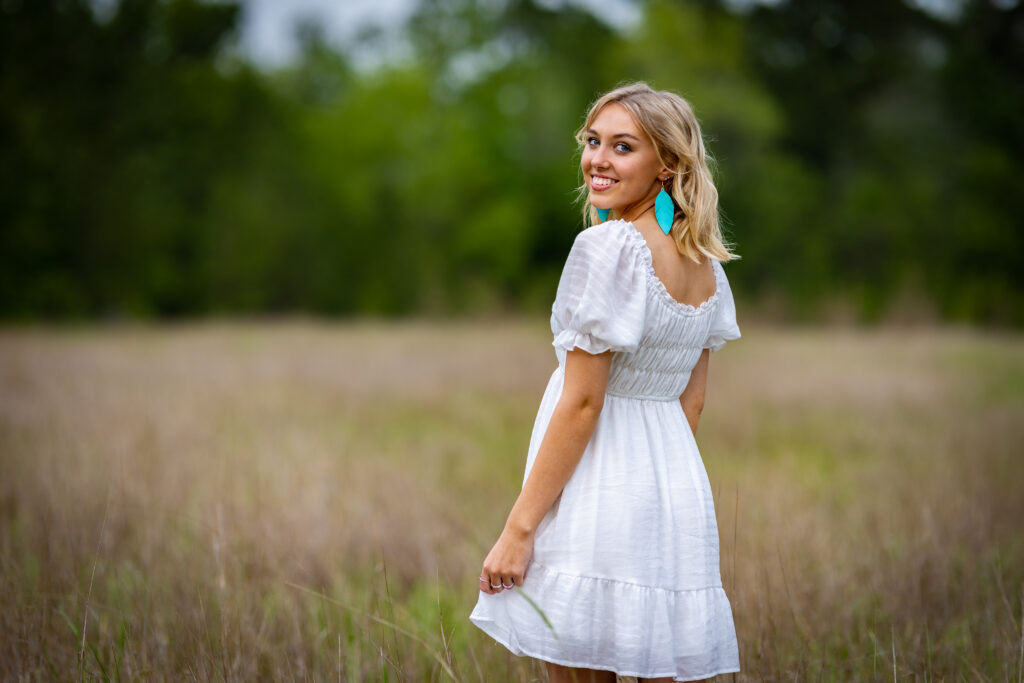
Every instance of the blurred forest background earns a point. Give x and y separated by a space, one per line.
245 500
869 156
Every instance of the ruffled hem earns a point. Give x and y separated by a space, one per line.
612 625
716 341
567 340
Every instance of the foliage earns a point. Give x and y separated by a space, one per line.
868 155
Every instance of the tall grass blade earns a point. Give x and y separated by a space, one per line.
1020 661
440 618
92 575
892 633
534 605
395 627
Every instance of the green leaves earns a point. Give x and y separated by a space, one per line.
146 171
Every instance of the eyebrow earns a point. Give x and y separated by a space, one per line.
591 131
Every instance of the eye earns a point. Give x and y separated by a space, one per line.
622 147
593 142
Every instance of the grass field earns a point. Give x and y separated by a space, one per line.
308 501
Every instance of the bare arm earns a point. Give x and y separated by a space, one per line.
568 433
692 398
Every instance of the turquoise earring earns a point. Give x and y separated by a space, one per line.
664 211
602 214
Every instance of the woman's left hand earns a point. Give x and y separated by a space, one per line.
505 566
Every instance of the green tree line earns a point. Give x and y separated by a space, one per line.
869 156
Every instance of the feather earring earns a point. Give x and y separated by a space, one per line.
664 211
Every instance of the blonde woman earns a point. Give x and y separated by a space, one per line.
613 538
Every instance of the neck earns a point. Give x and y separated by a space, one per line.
631 213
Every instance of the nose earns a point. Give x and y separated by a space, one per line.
599 157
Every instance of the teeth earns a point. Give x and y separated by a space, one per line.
602 182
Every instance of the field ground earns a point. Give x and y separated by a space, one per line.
312 501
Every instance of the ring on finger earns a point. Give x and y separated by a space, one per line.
496 587
511 585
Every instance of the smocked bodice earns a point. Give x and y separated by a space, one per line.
609 298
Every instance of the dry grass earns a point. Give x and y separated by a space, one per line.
307 501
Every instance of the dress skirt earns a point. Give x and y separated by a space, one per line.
625 570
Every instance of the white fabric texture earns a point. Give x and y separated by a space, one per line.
625 565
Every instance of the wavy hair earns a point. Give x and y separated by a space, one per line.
672 126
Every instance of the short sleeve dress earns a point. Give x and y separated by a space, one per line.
625 570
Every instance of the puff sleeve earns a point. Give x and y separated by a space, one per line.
723 325
601 299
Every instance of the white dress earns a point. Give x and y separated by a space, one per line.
625 565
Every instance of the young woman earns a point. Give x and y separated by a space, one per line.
608 563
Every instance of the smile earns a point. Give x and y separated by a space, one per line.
601 183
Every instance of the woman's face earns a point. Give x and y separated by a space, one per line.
620 165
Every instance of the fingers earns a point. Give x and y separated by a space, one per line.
496 582
488 585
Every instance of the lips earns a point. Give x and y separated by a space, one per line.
601 182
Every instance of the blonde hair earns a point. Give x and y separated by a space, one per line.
671 125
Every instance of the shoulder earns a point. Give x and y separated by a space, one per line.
607 257
615 237
718 267
609 231
723 291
